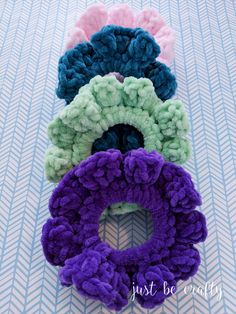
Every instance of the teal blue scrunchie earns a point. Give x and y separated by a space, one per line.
128 51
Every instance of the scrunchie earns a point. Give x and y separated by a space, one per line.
105 103
70 239
128 51
97 15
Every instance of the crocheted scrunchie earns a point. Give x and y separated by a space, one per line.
130 52
97 15
105 103
70 239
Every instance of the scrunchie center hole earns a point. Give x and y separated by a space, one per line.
120 136
126 231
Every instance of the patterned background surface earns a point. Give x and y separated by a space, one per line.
31 36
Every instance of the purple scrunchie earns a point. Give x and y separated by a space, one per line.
70 239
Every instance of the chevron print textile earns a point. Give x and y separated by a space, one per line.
32 38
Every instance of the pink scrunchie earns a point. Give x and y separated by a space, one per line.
96 16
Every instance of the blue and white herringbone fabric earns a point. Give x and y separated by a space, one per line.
32 34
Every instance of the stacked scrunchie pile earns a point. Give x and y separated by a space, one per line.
114 151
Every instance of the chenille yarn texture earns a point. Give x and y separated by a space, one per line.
97 16
105 103
130 52
70 239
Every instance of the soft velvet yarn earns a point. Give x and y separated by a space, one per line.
128 51
97 16
70 239
105 103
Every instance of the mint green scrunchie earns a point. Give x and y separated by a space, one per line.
104 103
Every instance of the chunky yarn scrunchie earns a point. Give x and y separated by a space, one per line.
105 103
97 15
70 239
128 51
